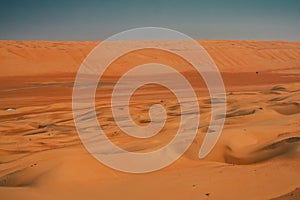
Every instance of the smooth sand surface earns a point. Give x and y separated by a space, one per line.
257 156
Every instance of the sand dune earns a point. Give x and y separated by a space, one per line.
19 58
257 156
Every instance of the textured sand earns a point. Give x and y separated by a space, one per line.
257 156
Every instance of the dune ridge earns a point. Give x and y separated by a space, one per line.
23 58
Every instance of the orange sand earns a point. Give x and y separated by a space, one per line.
257 156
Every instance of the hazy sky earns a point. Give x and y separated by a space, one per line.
97 20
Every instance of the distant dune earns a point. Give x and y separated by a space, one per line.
22 58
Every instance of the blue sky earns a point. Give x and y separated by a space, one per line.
97 20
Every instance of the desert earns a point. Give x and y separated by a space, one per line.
256 157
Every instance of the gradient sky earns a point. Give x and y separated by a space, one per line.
97 20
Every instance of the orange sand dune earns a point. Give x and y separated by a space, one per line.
19 58
257 156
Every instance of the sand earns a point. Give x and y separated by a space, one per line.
257 156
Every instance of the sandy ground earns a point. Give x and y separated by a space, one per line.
257 156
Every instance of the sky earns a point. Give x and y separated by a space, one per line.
200 19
